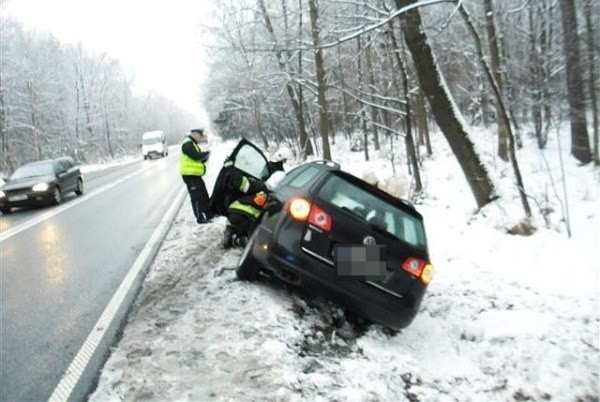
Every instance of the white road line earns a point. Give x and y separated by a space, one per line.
65 387
55 211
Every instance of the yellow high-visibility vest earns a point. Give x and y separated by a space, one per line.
247 209
189 166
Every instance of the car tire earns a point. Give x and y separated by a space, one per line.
5 210
247 269
56 196
79 189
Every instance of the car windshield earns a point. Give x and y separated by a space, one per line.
38 169
379 214
151 140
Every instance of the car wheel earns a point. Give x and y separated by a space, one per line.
79 189
247 269
56 196
5 210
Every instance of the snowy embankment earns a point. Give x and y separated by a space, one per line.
505 317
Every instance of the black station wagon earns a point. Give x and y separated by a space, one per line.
41 183
342 238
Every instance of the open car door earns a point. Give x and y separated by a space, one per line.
246 158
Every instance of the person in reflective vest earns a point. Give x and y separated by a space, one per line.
192 166
243 215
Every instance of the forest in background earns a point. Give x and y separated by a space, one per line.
58 99
302 72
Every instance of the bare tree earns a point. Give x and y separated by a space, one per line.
321 82
45 111
593 83
501 110
446 114
282 59
580 143
497 74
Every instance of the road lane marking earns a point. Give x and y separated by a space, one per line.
65 387
55 211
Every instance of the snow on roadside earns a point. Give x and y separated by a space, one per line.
505 318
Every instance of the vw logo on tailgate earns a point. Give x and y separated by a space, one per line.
369 241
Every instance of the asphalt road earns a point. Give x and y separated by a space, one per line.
60 268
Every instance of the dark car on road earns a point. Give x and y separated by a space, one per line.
340 237
41 183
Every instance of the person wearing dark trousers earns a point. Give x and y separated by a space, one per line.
192 166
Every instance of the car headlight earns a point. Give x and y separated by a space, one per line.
40 187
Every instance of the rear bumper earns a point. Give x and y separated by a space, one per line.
298 268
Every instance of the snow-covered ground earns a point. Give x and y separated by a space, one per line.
505 318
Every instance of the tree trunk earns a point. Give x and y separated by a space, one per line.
348 127
34 123
496 71
259 123
361 114
446 114
321 84
7 164
371 90
422 124
593 83
503 114
411 148
580 143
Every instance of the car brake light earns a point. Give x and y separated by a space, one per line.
320 218
302 210
419 268
299 208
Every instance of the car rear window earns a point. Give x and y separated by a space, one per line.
374 211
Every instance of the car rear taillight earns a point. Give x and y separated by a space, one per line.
419 268
303 210
319 218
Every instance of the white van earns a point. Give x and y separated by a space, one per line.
154 143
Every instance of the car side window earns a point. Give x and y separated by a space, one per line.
66 165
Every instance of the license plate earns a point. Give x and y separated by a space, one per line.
355 262
22 197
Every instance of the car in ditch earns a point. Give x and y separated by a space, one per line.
341 238
41 183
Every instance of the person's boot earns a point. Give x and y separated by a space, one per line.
202 218
241 241
228 237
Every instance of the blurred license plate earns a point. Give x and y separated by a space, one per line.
360 262
22 197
